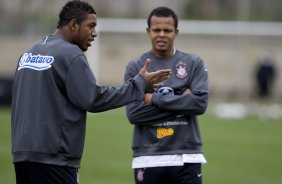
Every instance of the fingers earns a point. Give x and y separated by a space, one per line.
144 69
161 78
161 75
187 91
164 71
154 77
147 64
148 98
158 85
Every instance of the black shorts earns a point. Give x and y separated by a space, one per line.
189 173
37 173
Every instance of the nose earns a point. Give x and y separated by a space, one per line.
94 33
161 33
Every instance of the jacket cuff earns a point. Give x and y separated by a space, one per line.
141 82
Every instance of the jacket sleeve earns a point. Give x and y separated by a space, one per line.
138 112
194 103
83 91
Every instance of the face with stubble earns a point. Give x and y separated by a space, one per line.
162 33
85 32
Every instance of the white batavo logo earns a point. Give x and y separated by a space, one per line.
35 62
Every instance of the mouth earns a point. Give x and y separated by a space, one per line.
161 43
90 41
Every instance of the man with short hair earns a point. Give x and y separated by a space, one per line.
54 88
167 146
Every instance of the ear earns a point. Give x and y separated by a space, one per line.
176 31
148 30
72 25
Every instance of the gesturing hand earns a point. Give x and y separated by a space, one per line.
154 78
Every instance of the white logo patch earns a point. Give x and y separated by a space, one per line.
140 175
35 62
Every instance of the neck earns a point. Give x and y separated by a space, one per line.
164 54
65 33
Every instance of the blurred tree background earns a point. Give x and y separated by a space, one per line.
243 10
231 53
29 16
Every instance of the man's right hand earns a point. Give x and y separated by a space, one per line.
154 79
187 91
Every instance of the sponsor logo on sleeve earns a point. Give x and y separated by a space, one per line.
35 62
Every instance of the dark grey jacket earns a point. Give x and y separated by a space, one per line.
169 125
54 87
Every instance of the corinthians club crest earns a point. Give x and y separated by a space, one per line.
140 175
181 70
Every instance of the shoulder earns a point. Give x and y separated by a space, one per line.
66 50
70 48
190 58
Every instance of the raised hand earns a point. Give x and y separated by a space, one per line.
154 78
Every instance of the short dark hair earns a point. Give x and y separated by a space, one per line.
75 9
163 12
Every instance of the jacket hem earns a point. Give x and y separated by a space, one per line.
44 158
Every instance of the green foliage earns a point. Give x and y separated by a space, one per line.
244 10
246 151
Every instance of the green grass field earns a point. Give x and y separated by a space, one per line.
247 151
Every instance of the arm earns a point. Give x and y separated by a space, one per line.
83 92
140 112
193 103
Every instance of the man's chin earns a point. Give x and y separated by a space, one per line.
84 48
161 49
